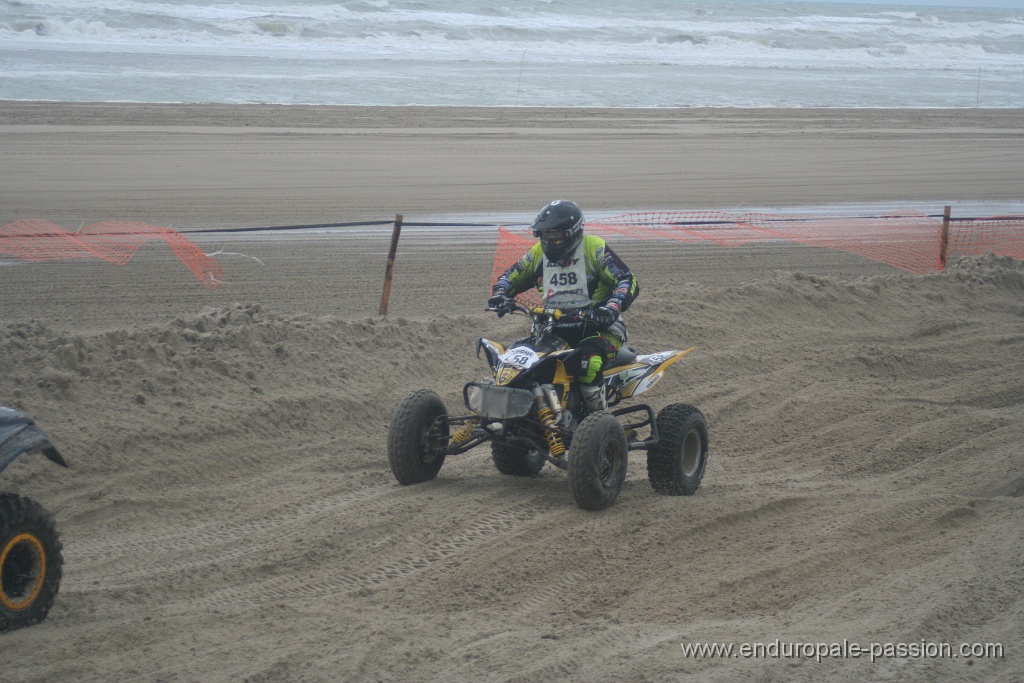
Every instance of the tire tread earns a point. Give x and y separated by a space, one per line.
674 422
403 437
584 479
19 514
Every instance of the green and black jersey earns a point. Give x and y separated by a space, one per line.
608 278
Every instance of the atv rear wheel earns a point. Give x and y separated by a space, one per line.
31 565
597 461
676 465
516 461
417 437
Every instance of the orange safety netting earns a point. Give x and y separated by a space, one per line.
511 247
909 241
112 241
1002 235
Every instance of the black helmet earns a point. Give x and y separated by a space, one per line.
559 225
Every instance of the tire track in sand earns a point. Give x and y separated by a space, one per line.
486 529
168 553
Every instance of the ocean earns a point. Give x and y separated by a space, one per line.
550 53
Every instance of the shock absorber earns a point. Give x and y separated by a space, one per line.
549 418
463 433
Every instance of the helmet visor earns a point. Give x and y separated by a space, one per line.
553 237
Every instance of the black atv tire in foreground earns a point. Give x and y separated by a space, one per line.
598 456
676 465
31 564
417 438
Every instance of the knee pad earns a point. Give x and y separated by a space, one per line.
591 353
591 369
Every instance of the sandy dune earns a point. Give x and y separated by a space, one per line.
230 516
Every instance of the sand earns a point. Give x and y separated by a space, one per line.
229 514
282 165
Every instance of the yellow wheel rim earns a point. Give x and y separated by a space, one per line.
22 571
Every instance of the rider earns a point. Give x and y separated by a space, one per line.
558 265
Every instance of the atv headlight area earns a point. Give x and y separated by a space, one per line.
497 403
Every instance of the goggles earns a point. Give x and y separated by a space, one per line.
552 236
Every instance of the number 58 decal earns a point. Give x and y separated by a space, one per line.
520 357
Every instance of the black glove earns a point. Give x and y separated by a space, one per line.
500 302
605 316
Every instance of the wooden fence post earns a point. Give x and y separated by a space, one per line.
390 271
944 241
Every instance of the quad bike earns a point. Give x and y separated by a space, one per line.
533 412
31 565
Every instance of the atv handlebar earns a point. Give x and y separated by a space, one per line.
513 307
555 314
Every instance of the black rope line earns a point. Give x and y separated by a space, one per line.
596 222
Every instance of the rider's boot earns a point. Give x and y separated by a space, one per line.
593 396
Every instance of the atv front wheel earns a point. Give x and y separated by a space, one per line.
31 565
418 437
516 461
676 465
597 461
